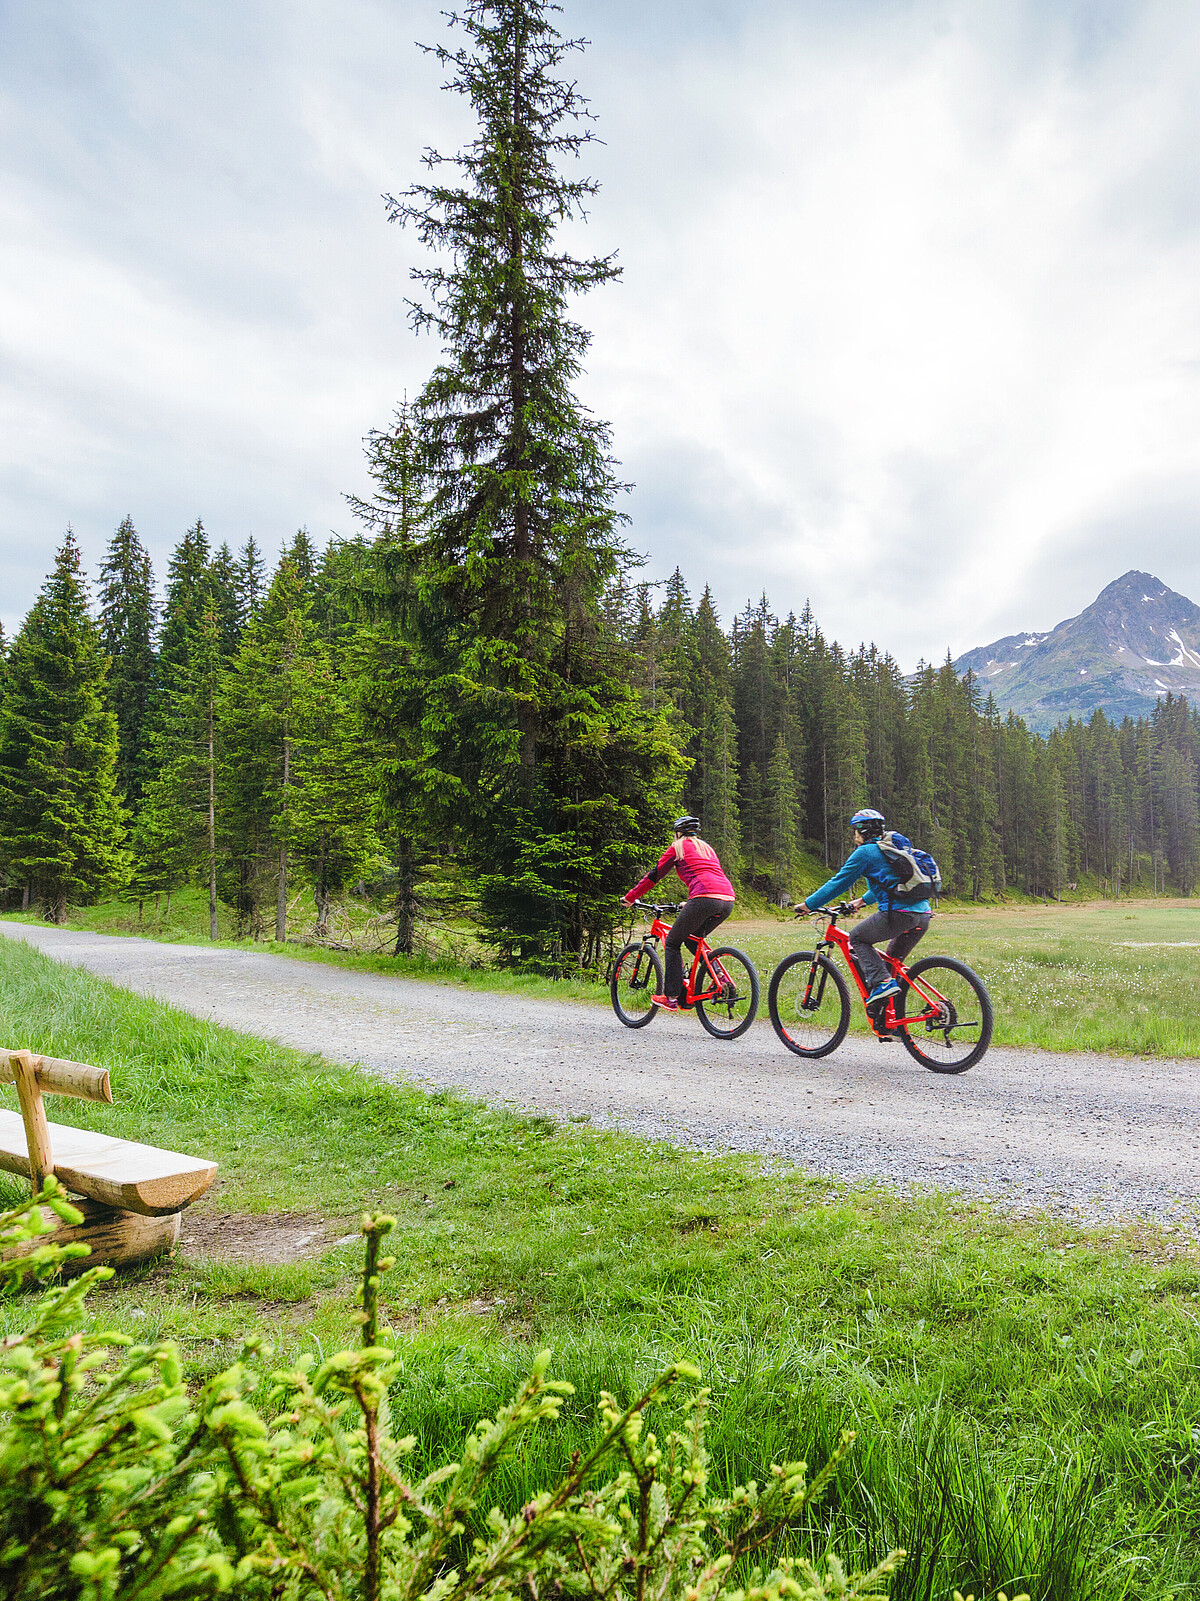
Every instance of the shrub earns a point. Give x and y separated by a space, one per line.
119 1481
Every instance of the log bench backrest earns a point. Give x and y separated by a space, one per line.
35 1074
123 1173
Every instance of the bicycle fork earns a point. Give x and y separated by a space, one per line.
643 970
810 1002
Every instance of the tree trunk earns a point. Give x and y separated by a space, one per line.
406 896
281 893
321 893
25 899
212 825
281 899
527 712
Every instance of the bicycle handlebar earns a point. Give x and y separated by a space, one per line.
842 909
650 906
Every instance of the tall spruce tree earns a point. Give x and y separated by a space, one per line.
780 811
60 812
1181 818
520 473
704 694
225 599
175 838
521 541
388 667
127 614
189 590
714 788
330 821
251 581
270 706
176 834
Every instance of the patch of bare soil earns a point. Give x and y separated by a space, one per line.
265 1237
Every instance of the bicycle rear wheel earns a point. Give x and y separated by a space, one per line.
960 1032
636 979
731 1013
810 1019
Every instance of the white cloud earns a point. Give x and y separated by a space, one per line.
908 288
928 307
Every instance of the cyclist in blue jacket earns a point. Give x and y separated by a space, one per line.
901 920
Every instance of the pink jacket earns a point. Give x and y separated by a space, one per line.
697 865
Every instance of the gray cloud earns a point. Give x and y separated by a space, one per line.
906 284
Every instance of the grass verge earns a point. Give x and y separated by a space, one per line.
1027 1395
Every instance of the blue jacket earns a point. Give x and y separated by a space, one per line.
867 861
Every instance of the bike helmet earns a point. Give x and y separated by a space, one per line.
869 822
686 825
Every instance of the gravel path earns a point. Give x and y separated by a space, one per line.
1093 1137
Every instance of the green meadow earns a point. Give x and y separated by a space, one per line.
1026 1395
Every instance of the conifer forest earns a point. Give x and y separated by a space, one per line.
474 706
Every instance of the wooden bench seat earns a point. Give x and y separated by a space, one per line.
137 1178
133 1194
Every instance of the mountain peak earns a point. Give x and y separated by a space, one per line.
1147 588
1136 641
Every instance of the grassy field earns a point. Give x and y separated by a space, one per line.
1027 1396
1102 976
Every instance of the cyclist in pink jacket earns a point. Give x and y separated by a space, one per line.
710 901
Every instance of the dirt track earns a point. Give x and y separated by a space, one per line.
1092 1136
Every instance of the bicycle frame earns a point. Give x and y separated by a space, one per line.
718 977
935 1001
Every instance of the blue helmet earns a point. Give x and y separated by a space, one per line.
869 822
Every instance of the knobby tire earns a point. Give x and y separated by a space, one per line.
730 1017
626 973
970 1003
816 1033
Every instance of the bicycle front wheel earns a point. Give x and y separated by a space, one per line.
951 1015
731 1013
637 978
811 1018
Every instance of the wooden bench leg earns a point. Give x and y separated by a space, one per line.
33 1113
116 1238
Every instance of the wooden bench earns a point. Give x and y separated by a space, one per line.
134 1194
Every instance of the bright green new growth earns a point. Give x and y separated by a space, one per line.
116 1482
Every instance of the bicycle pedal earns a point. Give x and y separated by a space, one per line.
887 1038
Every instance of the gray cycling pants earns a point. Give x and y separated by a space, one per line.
902 929
699 916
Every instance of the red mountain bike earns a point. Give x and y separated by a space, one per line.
722 984
942 1015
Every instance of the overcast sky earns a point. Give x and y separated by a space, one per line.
909 323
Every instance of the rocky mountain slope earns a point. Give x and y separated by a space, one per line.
1137 640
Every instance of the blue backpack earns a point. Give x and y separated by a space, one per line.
918 875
